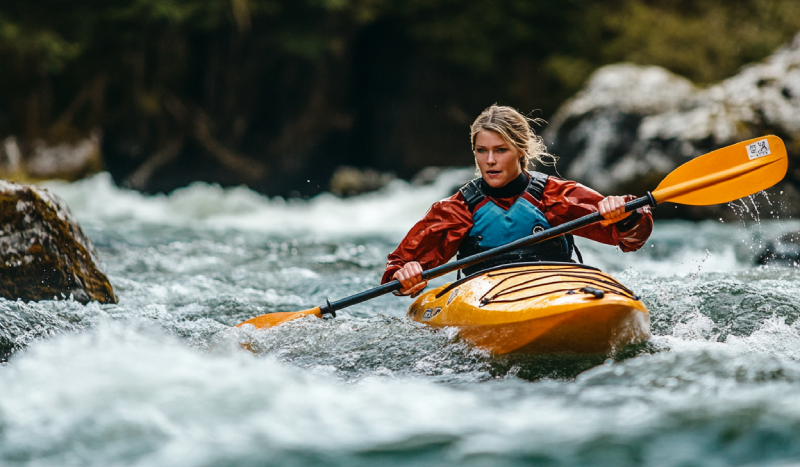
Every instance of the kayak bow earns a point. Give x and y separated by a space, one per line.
538 308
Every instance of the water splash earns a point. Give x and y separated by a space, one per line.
159 379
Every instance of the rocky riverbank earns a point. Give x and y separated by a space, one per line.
631 125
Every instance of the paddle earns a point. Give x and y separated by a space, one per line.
720 176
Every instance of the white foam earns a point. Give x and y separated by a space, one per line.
392 210
774 337
676 248
123 393
129 394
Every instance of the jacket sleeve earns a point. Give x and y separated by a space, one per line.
565 200
435 239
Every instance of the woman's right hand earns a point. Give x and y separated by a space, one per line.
612 209
410 276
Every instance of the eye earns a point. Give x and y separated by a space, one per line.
502 150
480 150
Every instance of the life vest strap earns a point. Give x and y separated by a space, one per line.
474 195
536 185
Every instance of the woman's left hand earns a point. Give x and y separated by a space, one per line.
612 208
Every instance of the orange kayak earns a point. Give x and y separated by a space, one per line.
538 308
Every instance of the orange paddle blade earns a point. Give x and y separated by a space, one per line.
273 319
726 174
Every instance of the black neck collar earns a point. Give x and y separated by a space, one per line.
513 188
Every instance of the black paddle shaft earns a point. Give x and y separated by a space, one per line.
332 307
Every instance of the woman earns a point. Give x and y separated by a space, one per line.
507 203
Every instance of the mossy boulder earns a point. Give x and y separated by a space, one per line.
44 255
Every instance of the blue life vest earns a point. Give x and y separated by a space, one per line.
494 226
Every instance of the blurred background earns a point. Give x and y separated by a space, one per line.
297 97
108 103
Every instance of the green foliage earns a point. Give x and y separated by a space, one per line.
705 40
86 63
49 50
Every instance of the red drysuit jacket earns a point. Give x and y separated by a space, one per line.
436 238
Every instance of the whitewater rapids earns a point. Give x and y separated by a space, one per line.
160 380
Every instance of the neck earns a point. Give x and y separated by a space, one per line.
513 188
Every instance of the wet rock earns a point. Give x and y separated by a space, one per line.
44 255
350 181
782 250
42 160
10 156
428 175
632 124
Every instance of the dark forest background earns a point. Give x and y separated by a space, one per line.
277 94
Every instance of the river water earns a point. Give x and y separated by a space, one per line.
160 380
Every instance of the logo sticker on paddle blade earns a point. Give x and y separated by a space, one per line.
758 149
430 313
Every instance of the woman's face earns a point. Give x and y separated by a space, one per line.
497 160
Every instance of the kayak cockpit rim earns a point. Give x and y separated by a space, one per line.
514 265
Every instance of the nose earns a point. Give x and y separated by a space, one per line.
490 158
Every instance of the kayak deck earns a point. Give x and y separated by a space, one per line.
538 308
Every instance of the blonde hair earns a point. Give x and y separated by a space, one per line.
515 129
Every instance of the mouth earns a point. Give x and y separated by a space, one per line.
494 172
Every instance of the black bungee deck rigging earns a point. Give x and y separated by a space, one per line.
597 283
